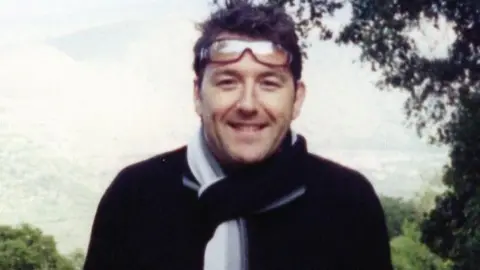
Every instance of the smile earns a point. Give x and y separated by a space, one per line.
247 127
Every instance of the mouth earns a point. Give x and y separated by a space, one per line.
247 127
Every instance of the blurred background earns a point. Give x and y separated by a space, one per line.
88 87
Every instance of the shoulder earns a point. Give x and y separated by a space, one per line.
335 171
339 179
158 164
158 169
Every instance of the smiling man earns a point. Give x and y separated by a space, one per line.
246 97
245 193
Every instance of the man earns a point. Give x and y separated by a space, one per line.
244 193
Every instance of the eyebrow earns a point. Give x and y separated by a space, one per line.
279 75
227 72
231 72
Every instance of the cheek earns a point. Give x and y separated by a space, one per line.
218 106
278 106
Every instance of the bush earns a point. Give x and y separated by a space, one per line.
27 248
408 253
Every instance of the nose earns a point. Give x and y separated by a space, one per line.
247 104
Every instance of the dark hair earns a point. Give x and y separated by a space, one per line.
241 17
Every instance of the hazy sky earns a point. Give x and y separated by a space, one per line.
99 83
87 71
105 79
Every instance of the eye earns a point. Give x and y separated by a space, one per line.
270 84
227 83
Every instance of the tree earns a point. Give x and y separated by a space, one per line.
436 85
77 258
425 199
27 248
397 211
408 252
452 228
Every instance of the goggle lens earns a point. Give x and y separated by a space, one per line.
231 50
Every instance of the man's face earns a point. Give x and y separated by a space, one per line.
246 108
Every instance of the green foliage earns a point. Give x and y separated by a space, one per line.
435 85
452 227
27 248
397 211
409 253
77 258
425 200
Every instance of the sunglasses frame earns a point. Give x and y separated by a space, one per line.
204 54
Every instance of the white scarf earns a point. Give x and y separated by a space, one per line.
223 250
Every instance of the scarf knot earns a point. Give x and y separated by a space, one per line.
246 191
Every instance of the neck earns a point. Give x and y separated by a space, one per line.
230 166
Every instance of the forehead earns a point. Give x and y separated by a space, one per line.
226 35
246 66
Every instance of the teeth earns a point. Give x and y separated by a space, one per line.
247 127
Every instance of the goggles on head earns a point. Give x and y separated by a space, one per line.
225 51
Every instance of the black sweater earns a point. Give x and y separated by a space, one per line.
148 219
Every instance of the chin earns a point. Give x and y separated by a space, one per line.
248 158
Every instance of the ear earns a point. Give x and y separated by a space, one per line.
299 98
197 98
